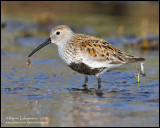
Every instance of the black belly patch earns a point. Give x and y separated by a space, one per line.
84 69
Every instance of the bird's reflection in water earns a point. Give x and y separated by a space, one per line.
85 110
90 91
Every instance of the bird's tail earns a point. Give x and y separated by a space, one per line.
134 59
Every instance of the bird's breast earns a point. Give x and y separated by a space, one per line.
68 55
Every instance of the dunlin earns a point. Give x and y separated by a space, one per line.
86 54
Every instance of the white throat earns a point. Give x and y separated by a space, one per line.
65 54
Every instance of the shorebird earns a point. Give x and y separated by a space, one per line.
86 54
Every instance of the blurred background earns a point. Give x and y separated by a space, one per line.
52 91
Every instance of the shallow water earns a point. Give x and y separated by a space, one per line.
53 91
51 94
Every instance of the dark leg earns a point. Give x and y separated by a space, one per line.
99 82
99 92
86 80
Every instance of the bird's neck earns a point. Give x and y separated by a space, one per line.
66 53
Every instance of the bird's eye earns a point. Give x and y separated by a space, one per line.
57 33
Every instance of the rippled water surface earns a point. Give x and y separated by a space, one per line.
51 94
54 91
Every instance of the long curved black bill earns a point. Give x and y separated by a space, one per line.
48 41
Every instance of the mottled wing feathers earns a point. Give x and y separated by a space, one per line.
101 50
